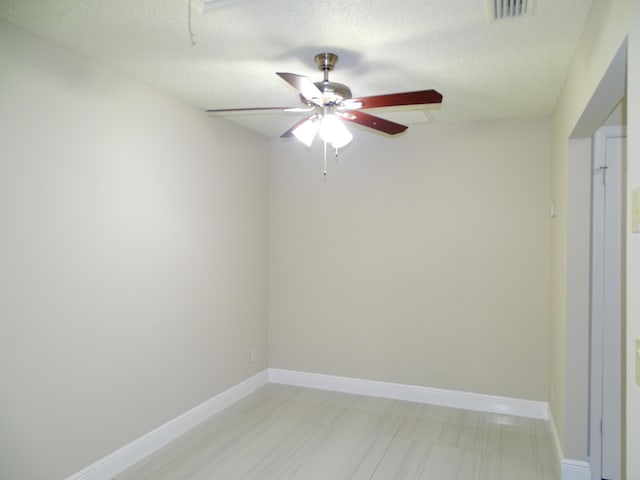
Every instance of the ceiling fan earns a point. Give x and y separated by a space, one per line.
330 103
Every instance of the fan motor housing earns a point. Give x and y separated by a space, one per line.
334 91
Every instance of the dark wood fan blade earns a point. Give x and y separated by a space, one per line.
289 133
376 123
421 97
256 109
303 85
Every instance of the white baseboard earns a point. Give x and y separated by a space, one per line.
123 458
435 396
575 470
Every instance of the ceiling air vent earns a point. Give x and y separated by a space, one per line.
499 9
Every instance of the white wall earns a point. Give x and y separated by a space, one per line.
576 391
593 87
420 260
133 258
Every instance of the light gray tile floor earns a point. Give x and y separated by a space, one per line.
283 432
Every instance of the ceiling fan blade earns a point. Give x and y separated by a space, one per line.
289 133
303 85
421 97
254 109
377 123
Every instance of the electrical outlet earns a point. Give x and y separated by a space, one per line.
252 355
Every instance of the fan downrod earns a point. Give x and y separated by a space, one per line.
334 91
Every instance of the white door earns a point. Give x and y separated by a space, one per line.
606 305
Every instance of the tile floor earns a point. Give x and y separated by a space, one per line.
284 432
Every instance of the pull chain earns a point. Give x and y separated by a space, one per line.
325 161
324 171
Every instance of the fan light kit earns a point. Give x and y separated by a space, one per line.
330 104
331 130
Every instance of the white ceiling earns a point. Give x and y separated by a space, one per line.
485 69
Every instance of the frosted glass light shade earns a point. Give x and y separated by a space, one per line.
307 131
333 131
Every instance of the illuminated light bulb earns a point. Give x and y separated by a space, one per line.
333 131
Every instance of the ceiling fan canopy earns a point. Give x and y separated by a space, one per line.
330 104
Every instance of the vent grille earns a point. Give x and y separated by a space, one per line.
499 9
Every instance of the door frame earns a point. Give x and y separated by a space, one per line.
606 300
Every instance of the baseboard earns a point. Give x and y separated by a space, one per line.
575 470
435 396
123 458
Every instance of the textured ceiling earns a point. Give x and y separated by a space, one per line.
485 69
